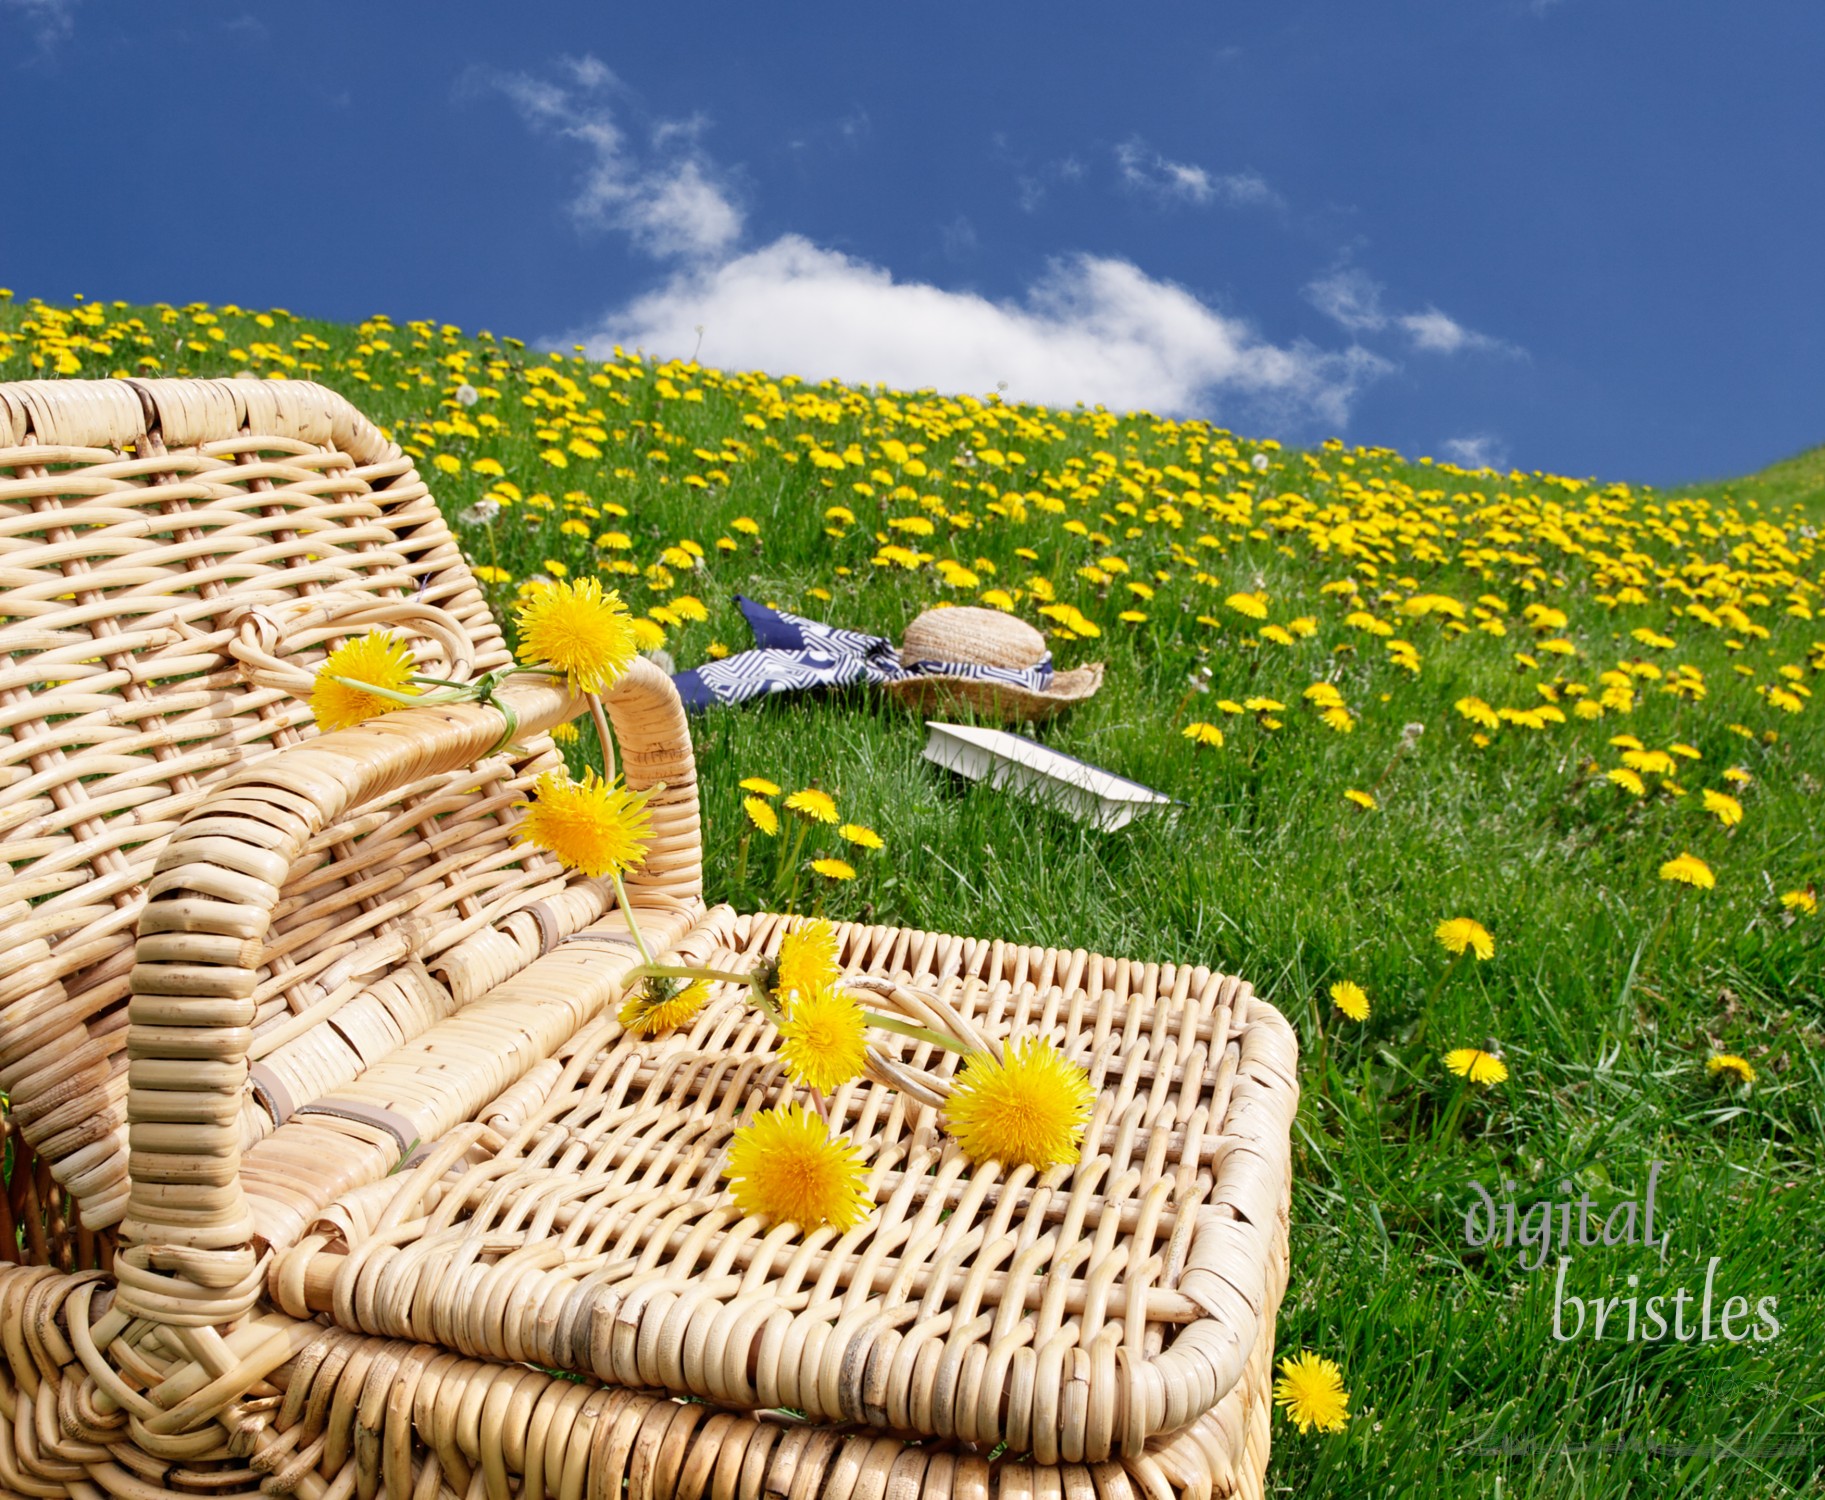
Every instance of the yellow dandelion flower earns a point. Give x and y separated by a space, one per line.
1459 933
785 1166
1310 1391
833 869
581 630
761 815
862 836
1339 719
1737 776
651 1009
808 959
1626 779
595 826
1350 998
823 1039
1739 1069
1254 606
566 734
760 786
1361 799
1689 869
1476 1065
1729 811
1032 1107
1204 734
1803 902
379 659
813 806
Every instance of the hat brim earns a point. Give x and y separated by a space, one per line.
999 700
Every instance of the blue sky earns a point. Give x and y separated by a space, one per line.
1585 236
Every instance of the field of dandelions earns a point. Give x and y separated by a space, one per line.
1504 787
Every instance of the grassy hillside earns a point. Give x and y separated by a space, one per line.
1388 694
1799 480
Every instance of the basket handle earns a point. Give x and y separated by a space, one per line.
187 1258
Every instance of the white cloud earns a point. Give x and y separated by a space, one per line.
1091 329
667 195
1483 450
1437 333
1351 298
1146 170
51 20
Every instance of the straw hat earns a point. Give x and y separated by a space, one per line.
985 638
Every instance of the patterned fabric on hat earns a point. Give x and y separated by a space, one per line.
791 653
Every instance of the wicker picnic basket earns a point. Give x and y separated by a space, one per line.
330 1170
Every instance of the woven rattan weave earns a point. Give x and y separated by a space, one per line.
331 1171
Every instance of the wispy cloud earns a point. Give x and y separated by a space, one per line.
1096 329
50 21
1353 299
1482 450
1032 188
1147 171
1090 329
663 192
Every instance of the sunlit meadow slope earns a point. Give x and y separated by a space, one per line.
1388 693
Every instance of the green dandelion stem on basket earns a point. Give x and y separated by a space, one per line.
918 1033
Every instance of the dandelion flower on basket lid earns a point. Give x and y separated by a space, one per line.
823 1038
1031 1107
379 659
1477 1065
785 1166
581 630
661 1005
595 826
1310 1391
808 959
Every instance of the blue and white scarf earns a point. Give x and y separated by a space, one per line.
791 653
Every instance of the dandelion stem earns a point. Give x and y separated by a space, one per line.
762 1001
669 971
1455 1115
633 925
912 1029
1318 1029
1425 1010
603 737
